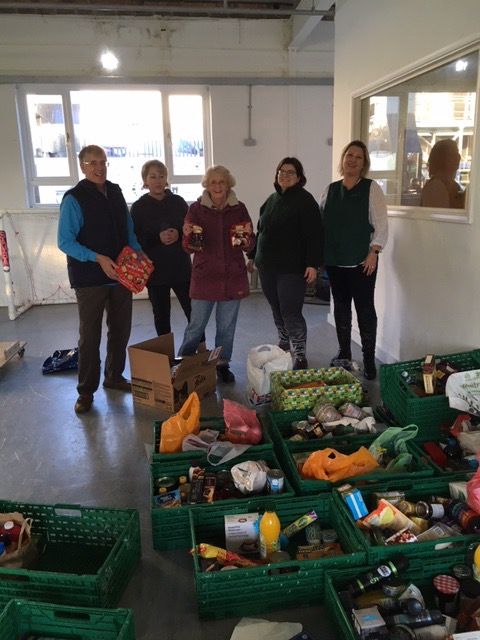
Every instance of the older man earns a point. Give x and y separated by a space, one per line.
94 227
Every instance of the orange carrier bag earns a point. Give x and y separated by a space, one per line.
331 465
181 424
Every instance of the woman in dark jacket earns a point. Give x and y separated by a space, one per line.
158 218
217 230
288 253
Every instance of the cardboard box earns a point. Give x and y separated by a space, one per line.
242 533
156 383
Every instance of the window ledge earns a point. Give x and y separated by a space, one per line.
461 216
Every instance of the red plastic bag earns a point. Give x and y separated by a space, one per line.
241 424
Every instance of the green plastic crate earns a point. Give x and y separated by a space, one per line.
420 572
414 490
279 424
87 555
214 423
437 470
254 590
428 412
26 619
341 386
419 468
171 526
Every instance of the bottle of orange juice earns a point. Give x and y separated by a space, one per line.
269 534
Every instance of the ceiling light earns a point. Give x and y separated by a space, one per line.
109 61
461 65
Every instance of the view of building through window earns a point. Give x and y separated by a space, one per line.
132 128
403 124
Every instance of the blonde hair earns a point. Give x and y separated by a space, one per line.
366 157
221 170
153 164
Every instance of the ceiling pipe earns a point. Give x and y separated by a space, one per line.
157 10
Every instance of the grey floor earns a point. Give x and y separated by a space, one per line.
51 455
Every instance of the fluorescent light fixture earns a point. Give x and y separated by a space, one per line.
109 61
461 65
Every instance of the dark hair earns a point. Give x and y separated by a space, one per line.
366 156
295 162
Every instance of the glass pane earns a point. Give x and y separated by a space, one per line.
189 192
186 122
50 194
420 136
128 125
383 132
47 128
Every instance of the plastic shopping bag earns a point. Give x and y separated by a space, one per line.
61 360
181 424
261 361
241 424
473 492
331 465
463 391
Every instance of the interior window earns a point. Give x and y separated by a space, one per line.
420 136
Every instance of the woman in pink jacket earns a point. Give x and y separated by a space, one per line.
217 230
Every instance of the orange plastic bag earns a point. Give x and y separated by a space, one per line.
331 465
181 424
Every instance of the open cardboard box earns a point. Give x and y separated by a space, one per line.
151 364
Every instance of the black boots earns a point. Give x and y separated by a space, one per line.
368 333
224 374
300 362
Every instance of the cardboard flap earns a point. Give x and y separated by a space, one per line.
151 358
191 365
162 344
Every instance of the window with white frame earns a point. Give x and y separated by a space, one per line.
133 125
420 135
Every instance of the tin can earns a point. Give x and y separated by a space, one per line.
275 480
165 482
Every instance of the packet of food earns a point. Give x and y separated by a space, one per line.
387 516
352 411
402 537
222 556
394 497
439 530
326 413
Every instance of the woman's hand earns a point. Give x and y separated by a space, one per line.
370 263
310 275
250 266
187 228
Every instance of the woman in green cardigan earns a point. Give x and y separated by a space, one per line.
355 220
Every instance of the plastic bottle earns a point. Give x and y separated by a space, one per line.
269 534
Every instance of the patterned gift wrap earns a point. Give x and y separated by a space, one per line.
341 386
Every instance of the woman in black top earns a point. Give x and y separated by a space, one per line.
158 220
287 254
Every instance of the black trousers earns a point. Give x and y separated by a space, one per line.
159 295
116 301
347 284
285 293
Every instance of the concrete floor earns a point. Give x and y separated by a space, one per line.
51 455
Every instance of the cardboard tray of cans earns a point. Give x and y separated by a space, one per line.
417 490
419 468
27 619
86 555
279 424
171 526
255 590
428 412
341 386
214 423
420 572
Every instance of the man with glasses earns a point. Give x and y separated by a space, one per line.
94 226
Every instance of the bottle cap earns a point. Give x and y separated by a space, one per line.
447 585
9 524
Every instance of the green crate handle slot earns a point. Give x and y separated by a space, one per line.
72 615
67 511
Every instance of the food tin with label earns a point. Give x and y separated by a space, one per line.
275 480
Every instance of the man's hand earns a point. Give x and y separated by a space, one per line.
108 266
168 236
310 275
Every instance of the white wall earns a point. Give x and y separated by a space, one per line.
428 288
286 120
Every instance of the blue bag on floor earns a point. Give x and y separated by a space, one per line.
61 360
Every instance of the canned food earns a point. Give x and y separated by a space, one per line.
167 482
275 480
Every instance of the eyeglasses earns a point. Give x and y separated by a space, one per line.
288 173
96 163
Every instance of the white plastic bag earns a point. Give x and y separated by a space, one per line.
250 476
261 361
463 391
